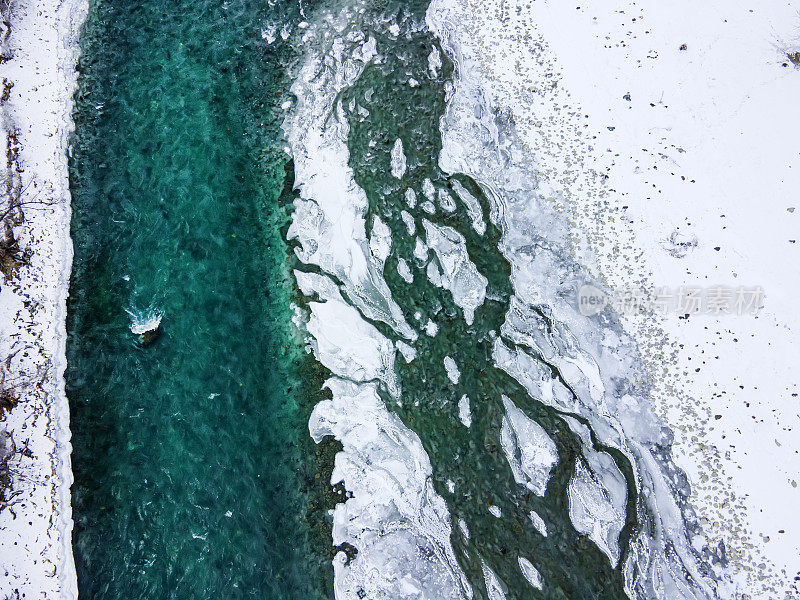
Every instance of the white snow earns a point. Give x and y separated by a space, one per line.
445 200
380 242
411 198
343 341
494 587
36 526
431 328
434 62
408 220
502 101
409 352
394 515
329 217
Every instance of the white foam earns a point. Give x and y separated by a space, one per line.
144 321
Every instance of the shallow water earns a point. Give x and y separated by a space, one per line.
192 476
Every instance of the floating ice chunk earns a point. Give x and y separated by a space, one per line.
328 219
398 159
394 29
343 341
459 274
538 523
394 516
495 510
350 346
431 328
428 207
529 450
413 82
144 321
474 209
409 352
600 495
462 525
434 62
269 34
593 512
530 572
411 227
380 242
428 190
453 374
434 274
494 587
411 198
464 413
404 270
446 201
420 249
451 486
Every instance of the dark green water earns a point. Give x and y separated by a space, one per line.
189 455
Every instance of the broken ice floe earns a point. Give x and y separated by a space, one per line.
530 452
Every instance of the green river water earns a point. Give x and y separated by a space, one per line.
191 476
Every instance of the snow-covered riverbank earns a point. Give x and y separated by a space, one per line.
38 72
